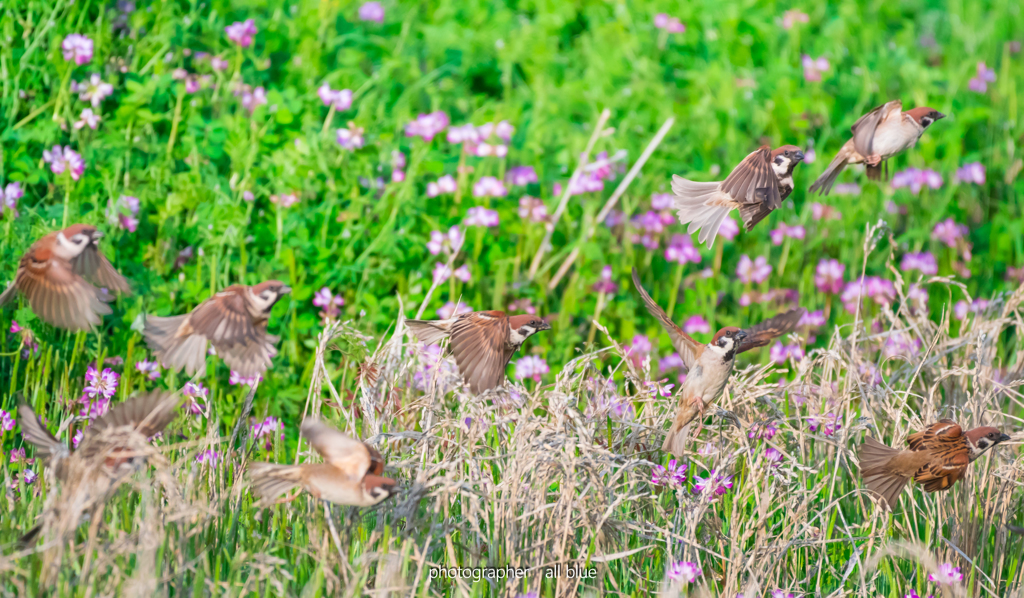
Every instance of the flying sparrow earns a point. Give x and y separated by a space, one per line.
483 342
936 459
233 320
709 366
352 474
755 187
58 273
112 448
878 136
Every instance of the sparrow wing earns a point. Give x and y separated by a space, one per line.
943 469
57 295
478 342
763 333
36 434
147 414
347 454
688 348
225 321
753 180
864 129
943 432
95 267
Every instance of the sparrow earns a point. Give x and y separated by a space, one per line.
352 474
233 320
755 187
483 342
67 279
111 449
878 136
709 366
936 459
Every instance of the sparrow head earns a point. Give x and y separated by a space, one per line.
525 325
983 438
727 338
925 116
266 294
379 488
73 240
785 159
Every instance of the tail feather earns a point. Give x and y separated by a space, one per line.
8 294
824 183
874 173
676 440
874 456
175 351
270 480
693 204
431 332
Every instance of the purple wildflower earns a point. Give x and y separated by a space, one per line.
9 197
150 369
350 138
481 216
489 186
61 159
729 229
773 457
266 430
78 48
971 173
881 291
241 32
100 384
441 273
978 83
681 250
916 179
814 67
756 271
670 24
924 261
328 303
696 324
235 379
784 231
7 421
450 310
444 185
792 17
946 575
531 366
340 99
208 456
372 11
949 232
94 90
763 431
520 176
449 243
673 476
532 209
427 126
829 424
719 482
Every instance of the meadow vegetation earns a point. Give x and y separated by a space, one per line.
418 159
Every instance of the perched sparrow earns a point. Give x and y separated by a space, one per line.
112 448
56 273
937 458
755 187
878 136
709 366
234 320
483 342
351 475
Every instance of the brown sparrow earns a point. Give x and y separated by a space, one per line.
755 187
233 320
709 366
483 342
111 449
878 136
350 476
57 276
936 459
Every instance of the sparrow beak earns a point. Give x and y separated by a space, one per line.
97 235
939 116
1004 437
544 326
285 290
799 156
739 336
